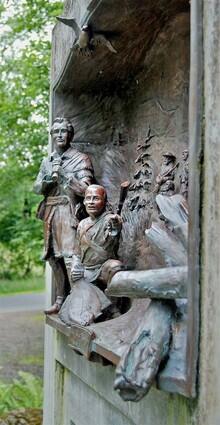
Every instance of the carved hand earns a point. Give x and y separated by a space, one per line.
56 169
77 271
46 185
76 274
159 179
114 225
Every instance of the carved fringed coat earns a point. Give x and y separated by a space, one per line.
58 209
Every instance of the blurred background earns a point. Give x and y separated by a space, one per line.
25 34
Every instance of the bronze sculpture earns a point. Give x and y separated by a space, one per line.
165 179
94 260
96 274
86 38
98 279
62 179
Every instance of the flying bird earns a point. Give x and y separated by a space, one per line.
86 39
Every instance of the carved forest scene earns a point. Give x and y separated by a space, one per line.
115 189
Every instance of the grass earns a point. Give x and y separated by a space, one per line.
13 286
25 392
32 360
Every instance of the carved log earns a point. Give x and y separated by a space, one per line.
182 234
169 245
140 362
166 283
173 208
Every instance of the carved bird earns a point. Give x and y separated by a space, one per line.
86 38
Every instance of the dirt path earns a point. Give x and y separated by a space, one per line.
21 343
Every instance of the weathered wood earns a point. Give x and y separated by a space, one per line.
209 402
79 337
196 125
56 323
170 282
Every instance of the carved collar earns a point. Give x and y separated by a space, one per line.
65 155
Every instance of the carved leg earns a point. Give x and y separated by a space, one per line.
61 283
141 360
68 265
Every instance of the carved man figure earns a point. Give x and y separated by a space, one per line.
63 178
184 176
165 179
98 237
94 262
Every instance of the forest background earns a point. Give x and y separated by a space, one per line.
25 48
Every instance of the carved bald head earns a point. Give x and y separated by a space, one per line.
95 200
62 133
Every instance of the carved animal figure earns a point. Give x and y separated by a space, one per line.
86 38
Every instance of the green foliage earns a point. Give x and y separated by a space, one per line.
26 392
16 285
24 97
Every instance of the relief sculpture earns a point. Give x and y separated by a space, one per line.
83 252
120 260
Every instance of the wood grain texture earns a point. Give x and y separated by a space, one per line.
209 379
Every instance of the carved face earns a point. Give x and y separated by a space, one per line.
185 155
60 135
95 200
167 160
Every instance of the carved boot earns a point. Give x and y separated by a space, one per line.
55 308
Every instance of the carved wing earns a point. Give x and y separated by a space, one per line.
70 22
101 39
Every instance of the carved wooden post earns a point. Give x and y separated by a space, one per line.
209 380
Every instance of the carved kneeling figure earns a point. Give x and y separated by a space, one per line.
94 260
